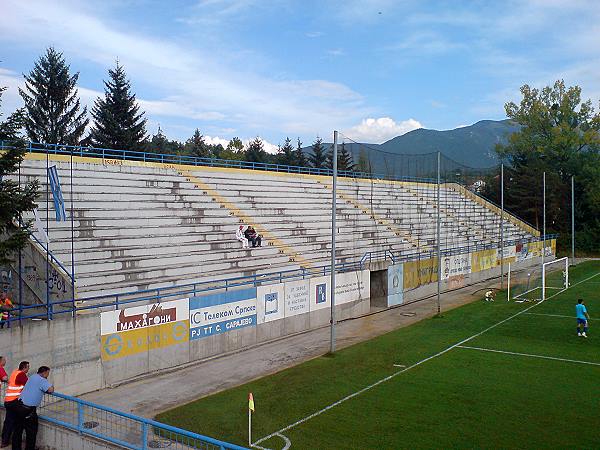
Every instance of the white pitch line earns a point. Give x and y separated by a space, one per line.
389 377
529 355
554 315
399 365
288 443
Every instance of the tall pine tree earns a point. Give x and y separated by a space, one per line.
196 146
51 102
255 152
345 160
118 122
299 156
318 158
14 198
285 154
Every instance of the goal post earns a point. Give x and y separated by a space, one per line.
536 283
555 275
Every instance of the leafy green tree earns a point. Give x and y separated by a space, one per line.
118 122
255 152
299 156
14 199
318 158
196 146
285 154
51 102
559 135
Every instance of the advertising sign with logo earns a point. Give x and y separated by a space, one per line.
456 265
319 293
395 285
270 302
222 312
130 331
296 297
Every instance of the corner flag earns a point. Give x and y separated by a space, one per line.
250 402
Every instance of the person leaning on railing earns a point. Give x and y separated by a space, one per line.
27 418
16 383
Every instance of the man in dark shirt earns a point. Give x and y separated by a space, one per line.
253 237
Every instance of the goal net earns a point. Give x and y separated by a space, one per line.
535 284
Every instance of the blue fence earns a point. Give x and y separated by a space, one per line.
120 428
116 301
107 153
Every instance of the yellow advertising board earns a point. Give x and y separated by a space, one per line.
418 273
139 329
553 246
535 248
126 343
484 260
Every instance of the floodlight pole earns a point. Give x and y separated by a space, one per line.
333 233
544 239
572 220
439 250
502 225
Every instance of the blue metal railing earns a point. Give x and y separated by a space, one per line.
107 153
167 293
120 428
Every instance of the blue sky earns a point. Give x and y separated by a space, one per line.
372 69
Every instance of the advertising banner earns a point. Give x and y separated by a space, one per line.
484 260
319 293
270 302
130 331
509 254
297 297
456 265
222 312
418 273
395 285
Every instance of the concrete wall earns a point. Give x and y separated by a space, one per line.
72 347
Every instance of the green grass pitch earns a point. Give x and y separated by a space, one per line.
463 398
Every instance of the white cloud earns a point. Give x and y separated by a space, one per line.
314 34
187 82
379 130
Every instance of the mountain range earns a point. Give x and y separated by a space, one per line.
472 146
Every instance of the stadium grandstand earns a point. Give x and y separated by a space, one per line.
145 225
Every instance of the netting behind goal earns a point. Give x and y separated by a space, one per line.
538 283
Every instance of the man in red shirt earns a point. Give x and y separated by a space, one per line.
3 374
16 383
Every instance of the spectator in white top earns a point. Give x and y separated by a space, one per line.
239 234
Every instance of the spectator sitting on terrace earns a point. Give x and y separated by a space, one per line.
239 234
253 236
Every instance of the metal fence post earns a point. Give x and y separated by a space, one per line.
80 418
144 436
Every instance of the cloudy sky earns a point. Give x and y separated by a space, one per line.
372 69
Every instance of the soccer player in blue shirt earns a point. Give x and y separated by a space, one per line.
582 318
